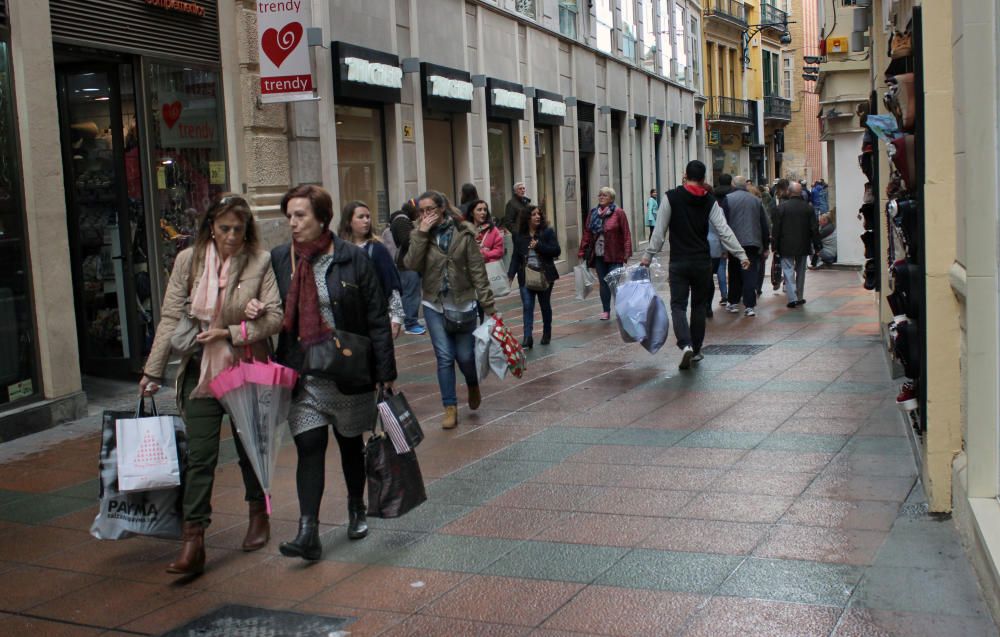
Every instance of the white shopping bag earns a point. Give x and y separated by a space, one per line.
498 278
632 306
584 280
147 453
483 343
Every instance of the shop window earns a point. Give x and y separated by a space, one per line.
501 158
546 170
605 25
187 143
648 57
361 158
666 41
629 30
17 340
567 18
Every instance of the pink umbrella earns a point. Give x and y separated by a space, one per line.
257 396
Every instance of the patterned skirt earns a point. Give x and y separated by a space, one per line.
319 403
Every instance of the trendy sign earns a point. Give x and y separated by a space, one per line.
187 120
285 64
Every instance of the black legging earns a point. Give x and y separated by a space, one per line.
309 475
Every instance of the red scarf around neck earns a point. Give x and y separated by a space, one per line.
302 304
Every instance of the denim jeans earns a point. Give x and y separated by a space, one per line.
689 277
528 304
793 269
411 294
718 269
743 283
603 268
450 349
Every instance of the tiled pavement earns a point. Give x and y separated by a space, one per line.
770 492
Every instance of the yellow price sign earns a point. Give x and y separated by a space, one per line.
161 178
217 172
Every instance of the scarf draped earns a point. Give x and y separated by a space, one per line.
597 218
443 233
206 306
302 305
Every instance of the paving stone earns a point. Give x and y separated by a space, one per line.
921 590
736 617
426 517
532 451
379 546
41 507
793 581
582 435
452 490
671 571
803 442
557 561
722 439
466 554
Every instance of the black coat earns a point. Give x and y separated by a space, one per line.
548 251
512 212
358 304
796 230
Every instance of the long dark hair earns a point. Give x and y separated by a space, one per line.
347 216
223 204
469 193
441 201
524 221
470 212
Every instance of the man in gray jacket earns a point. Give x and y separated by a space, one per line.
745 215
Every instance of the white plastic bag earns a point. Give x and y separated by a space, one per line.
147 453
498 278
632 303
483 340
584 280
657 326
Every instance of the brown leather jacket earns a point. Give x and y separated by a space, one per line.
250 277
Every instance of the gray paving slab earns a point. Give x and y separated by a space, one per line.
557 561
671 571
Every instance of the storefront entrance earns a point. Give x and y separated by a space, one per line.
546 168
439 157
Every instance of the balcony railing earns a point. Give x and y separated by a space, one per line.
732 11
770 14
729 109
777 108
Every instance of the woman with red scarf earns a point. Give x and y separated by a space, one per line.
606 243
329 286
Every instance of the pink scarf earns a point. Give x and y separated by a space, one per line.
206 306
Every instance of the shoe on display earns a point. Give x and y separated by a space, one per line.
686 354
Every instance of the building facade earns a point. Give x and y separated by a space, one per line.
802 154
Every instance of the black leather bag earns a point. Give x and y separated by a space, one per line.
395 484
460 321
345 357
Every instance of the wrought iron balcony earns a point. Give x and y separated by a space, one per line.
772 15
777 108
728 109
731 11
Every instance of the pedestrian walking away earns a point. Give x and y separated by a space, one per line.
223 283
356 228
745 215
444 251
400 226
332 295
488 236
536 248
468 197
687 213
796 236
606 242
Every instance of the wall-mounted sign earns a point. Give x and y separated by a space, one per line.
365 74
408 135
181 6
187 119
444 89
505 100
550 109
714 138
285 63
656 128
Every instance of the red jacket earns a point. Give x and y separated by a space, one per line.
490 244
617 238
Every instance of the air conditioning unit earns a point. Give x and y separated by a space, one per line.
840 44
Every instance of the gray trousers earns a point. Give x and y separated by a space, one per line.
793 269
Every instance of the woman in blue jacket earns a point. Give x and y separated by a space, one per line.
535 247
356 228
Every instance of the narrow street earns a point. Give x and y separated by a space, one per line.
769 491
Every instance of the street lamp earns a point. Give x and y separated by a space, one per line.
753 29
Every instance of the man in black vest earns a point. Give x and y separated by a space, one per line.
687 212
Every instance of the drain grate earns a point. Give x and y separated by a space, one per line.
246 621
733 350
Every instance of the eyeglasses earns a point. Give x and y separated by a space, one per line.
428 209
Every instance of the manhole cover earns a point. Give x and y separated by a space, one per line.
733 350
246 621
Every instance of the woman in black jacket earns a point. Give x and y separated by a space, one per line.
328 287
535 248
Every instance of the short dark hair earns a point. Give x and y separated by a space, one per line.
725 179
322 202
469 193
695 171
652 190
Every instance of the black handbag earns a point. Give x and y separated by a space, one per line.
460 321
395 484
345 357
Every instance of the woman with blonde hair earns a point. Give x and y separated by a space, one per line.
228 282
606 243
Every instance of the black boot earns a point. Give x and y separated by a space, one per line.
528 342
357 526
306 544
546 335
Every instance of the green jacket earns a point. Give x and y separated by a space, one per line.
467 277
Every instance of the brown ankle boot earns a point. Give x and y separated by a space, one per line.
259 528
192 559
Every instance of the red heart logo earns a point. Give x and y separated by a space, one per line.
172 113
278 46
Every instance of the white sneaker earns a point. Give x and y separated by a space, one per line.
686 354
732 308
697 358
749 312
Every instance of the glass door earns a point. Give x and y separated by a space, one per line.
106 216
545 166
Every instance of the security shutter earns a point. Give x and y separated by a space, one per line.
138 26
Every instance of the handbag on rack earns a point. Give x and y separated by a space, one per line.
901 45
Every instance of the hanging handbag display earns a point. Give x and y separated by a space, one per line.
901 45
